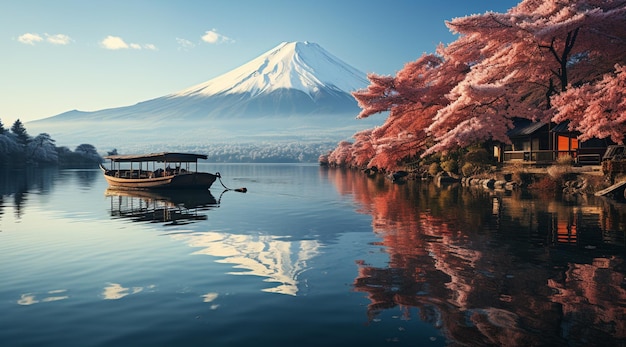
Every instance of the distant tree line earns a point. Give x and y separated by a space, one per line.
18 149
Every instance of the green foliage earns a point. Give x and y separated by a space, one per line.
450 165
478 156
434 168
469 169
476 161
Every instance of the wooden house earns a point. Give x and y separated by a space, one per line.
542 143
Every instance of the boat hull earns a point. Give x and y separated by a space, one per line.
192 180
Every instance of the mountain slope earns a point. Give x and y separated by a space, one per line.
296 89
303 66
294 78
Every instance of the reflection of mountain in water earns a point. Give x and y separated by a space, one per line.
277 260
169 207
492 269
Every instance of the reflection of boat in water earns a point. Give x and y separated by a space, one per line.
155 171
173 207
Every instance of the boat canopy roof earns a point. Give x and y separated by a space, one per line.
158 157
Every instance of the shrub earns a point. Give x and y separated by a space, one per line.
477 161
433 169
565 160
545 185
558 172
450 165
478 156
469 169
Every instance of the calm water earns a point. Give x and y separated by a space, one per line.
308 257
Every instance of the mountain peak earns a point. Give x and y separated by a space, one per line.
300 65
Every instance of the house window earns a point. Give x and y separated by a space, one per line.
566 144
496 151
563 143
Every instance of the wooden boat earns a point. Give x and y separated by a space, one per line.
165 170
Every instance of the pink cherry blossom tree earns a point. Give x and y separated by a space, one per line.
342 155
412 98
596 109
521 59
363 148
544 60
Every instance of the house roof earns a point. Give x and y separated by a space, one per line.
524 127
561 128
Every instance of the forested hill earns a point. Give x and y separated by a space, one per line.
18 149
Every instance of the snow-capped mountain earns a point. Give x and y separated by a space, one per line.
296 90
294 78
303 66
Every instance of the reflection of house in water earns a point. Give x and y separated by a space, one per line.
556 223
268 256
170 207
478 294
491 269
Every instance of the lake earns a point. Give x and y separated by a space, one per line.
309 256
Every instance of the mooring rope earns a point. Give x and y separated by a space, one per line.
241 190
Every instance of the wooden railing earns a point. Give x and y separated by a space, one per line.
581 156
539 156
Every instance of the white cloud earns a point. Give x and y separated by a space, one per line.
185 44
58 39
116 42
213 37
29 38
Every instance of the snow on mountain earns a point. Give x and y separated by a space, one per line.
292 79
303 66
295 92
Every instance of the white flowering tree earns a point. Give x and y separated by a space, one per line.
41 149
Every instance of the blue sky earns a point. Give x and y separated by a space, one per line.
89 55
